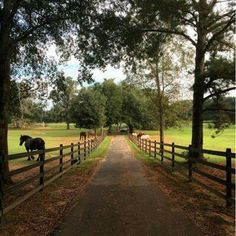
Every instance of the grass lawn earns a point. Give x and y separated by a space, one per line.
98 154
183 137
53 134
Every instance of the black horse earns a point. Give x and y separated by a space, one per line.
82 135
32 144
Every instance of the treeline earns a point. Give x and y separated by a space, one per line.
102 104
105 104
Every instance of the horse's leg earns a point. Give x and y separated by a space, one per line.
28 154
39 157
32 157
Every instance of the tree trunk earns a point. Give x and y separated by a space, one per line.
161 125
4 99
5 52
131 128
109 129
198 88
197 120
67 125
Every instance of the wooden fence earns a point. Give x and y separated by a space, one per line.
42 173
171 151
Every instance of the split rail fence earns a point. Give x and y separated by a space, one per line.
171 151
41 173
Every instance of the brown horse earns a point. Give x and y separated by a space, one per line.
140 134
82 136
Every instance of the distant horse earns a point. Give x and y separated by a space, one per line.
140 134
90 133
32 144
82 135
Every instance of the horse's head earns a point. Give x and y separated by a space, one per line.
23 138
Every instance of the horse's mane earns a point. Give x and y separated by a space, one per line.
26 136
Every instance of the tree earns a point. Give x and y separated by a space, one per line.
89 109
62 95
113 95
156 72
134 107
206 24
25 29
212 28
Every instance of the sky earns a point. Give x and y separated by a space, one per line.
71 69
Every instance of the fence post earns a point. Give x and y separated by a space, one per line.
161 146
78 153
228 177
190 163
61 158
85 150
71 153
173 156
91 144
41 169
155 148
2 160
89 147
150 147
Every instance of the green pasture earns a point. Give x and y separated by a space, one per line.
56 134
182 136
53 134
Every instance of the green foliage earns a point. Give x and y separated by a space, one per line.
88 109
63 92
113 95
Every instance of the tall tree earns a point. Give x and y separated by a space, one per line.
89 109
62 95
135 111
157 72
206 24
113 95
25 29
212 26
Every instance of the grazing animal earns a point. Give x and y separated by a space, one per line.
140 134
32 144
145 136
135 134
82 135
90 133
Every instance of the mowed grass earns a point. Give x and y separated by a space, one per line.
98 154
183 137
53 134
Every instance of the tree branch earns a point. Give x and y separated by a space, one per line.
168 31
217 34
218 109
218 93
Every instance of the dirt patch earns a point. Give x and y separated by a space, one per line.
205 209
39 214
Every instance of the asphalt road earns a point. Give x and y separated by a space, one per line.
120 200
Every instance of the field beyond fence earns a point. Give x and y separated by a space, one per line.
198 170
33 177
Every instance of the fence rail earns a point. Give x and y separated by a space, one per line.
74 153
154 148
